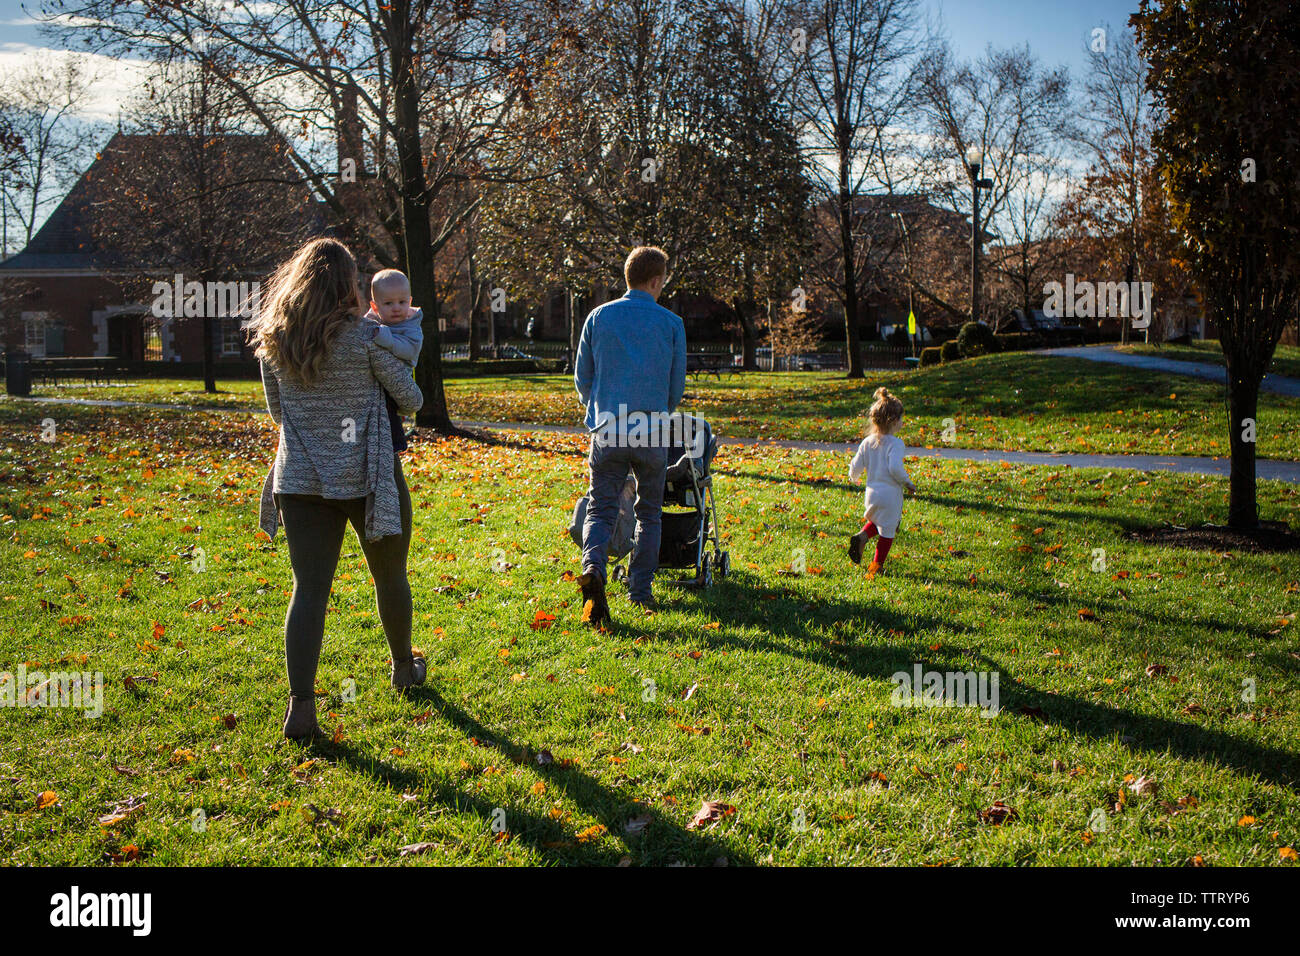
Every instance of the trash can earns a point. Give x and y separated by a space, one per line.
18 374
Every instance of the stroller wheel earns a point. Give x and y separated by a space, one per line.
619 573
705 576
724 563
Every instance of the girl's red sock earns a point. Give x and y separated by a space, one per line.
882 548
869 530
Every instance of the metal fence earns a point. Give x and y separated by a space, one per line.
508 350
879 356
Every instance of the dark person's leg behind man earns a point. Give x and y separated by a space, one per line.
650 466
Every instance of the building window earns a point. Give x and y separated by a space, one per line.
232 336
34 324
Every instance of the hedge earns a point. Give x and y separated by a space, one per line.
975 339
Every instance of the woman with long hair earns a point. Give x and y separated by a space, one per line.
325 382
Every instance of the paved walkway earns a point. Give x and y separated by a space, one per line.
1265 468
1278 384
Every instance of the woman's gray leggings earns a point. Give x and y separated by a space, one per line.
314 527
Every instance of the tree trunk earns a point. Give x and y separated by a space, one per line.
1243 401
428 373
575 303
747 310
476 298
209 346
851 338
415 225
748 335
1245 372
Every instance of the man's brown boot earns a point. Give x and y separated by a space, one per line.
595 607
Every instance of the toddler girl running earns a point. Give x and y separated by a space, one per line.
880 459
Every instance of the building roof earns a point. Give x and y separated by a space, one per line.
72 239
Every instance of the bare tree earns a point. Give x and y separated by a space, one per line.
1035 248
46 148
1119 126
213 203
853 85
1016 113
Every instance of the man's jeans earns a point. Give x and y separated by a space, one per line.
610 465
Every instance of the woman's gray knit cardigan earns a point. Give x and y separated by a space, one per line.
334 435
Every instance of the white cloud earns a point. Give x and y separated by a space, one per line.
60 20
117 78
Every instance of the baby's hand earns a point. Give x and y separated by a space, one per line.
411 310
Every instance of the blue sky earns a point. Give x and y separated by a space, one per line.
1056 31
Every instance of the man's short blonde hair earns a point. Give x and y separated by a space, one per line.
643 264
388 279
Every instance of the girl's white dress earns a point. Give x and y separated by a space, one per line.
880 459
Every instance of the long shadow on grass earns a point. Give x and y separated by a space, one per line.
661 841
791 619
1043 514
1101 606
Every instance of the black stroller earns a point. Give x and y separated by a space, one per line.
690 537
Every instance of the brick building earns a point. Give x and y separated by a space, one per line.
85 284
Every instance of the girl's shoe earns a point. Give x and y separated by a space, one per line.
855 549
409 673
300 719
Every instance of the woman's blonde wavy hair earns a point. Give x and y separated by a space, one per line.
310 299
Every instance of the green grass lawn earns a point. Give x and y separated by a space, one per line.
231 393
1017 402
770 693
1286 360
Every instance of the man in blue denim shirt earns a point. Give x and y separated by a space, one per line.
631 358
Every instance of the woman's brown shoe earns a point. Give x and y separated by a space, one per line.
300 719
409 673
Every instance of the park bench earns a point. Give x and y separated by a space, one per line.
710 363
93 370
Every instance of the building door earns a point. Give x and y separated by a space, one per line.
126 336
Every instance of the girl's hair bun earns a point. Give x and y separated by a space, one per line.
886 410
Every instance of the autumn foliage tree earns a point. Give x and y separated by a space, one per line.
1225 147
793 331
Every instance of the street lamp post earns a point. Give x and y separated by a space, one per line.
572 328
974 160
